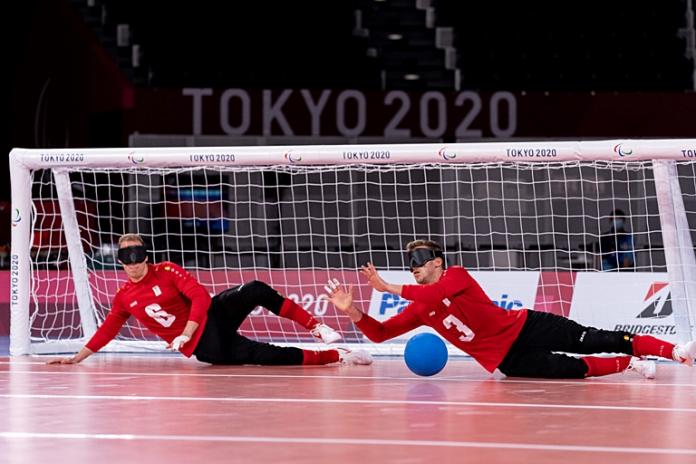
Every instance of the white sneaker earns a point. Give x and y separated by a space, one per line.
644 367
324 333
354 357
685 353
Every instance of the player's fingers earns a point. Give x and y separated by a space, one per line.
178 342
328 290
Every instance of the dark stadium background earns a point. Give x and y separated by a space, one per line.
90 73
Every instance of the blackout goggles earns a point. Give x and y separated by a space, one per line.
420 256
132 254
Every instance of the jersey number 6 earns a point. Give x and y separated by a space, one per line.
156 312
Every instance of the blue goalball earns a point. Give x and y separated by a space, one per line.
425 354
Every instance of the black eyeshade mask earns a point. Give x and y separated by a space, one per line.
132 254
420 256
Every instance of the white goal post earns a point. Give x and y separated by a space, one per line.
529 219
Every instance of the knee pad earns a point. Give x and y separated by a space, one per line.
600 341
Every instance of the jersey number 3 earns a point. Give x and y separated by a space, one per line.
466 333
156 312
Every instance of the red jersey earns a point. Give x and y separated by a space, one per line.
459 310
163 301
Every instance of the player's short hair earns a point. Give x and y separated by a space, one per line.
433 245
131 238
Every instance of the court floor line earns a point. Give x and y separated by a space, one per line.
637 381
343 401
9 435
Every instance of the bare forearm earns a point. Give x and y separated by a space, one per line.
83 354
190 329
354 313
394 289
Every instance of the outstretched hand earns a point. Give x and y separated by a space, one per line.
373 278
70 360
339 295
178 342
78 357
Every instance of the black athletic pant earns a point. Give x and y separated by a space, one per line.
220 342
532 354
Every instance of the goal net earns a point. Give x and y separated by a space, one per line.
531 221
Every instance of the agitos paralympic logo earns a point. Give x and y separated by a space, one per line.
17 218
136 159
292 157
622 150
446 155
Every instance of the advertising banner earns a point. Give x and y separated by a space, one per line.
633 302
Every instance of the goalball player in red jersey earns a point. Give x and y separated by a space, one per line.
176 307
522 343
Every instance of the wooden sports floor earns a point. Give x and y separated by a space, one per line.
166 409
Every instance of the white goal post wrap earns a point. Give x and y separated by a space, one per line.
68 271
